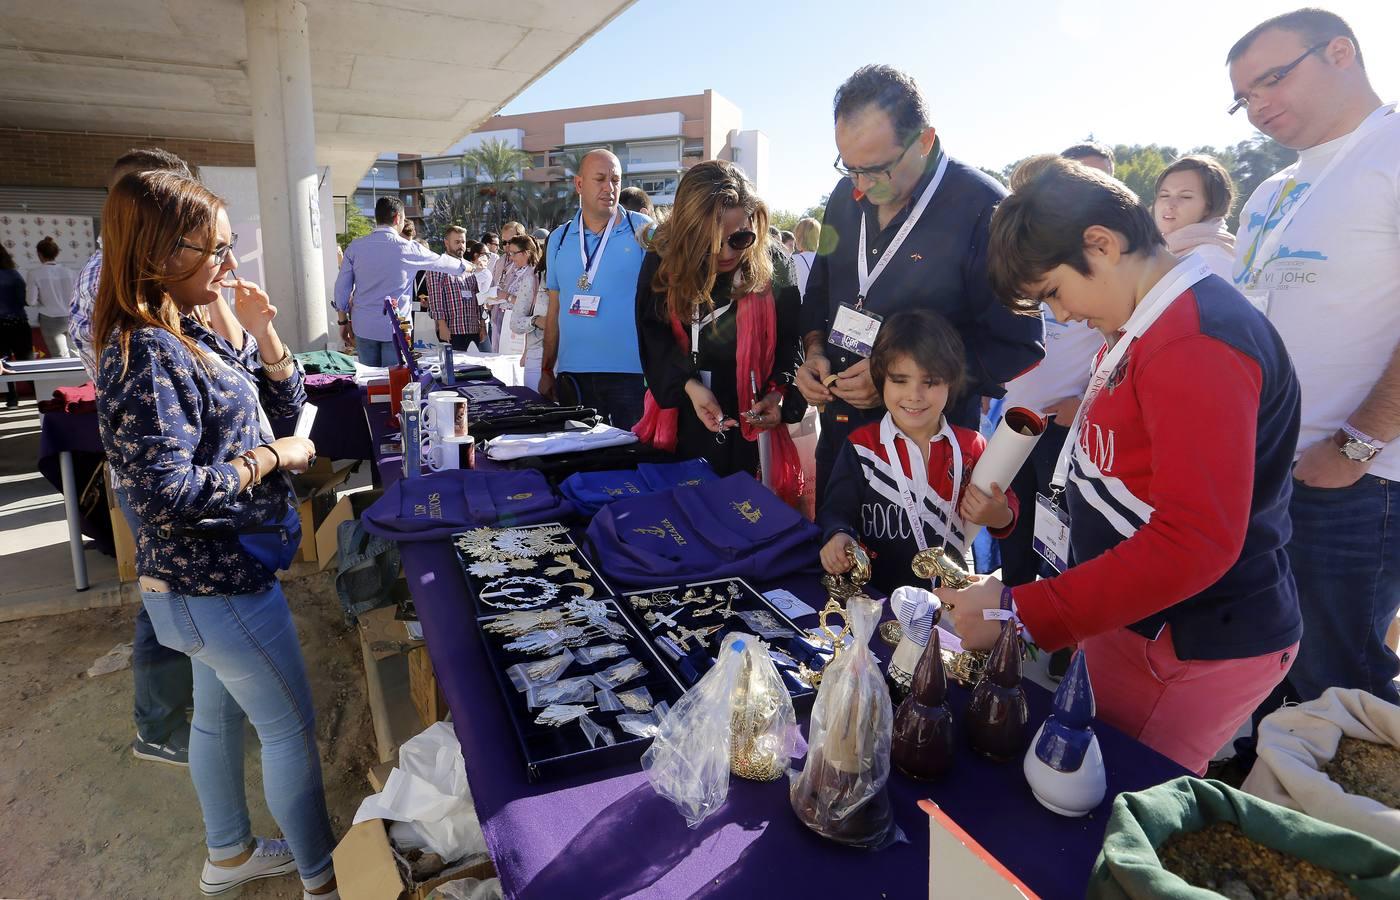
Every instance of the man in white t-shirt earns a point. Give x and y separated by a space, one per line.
1319 252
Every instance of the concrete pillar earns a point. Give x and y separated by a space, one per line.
284 140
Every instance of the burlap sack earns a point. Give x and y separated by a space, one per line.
1296 742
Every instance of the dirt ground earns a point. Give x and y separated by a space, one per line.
81 817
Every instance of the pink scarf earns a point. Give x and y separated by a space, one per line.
1208 231
758 339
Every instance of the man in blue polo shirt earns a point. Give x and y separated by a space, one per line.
590 335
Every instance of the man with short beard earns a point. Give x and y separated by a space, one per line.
452 298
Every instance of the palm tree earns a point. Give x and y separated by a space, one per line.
499 164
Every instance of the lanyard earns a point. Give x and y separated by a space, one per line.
1264 254
1183 276
867 275
591 261
913 500
697 324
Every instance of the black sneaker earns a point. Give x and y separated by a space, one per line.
173 751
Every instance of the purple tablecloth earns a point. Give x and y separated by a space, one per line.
608 835
339 431
77 433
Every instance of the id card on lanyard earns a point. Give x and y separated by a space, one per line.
1052 526
585 304
855 328
695 326
913 497
1256 289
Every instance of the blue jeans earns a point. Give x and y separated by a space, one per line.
248 665
1345 555
616 395
161 677
376 353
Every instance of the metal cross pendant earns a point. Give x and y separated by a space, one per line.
657 619
583 282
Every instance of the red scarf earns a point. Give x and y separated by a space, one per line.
758 339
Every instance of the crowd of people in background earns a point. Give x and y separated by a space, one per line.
1218 405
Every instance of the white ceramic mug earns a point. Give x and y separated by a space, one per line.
446 414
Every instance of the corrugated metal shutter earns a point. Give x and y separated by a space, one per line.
65 201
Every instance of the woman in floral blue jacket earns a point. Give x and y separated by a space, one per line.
180 411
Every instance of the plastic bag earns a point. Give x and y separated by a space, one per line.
690 760
763 726
547 671
840 793
428 799
590 655
568 690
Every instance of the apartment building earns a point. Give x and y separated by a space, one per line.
656 140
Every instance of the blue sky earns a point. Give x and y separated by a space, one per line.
1003 79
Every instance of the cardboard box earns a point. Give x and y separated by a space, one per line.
365 868
316 497
384 647
348 507
959 867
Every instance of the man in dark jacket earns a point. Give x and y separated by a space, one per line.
909 227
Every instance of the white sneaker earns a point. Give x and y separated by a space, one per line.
270 857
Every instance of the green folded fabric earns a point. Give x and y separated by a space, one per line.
327 362
1141 822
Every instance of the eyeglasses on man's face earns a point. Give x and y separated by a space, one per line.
1271 78
873 173
220 253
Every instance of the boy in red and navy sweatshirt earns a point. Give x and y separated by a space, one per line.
912 459
1177 478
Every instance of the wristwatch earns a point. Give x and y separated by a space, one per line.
282 365
1356 445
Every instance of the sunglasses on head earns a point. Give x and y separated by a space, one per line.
741 240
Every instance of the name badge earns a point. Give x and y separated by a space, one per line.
705 379
1051 537
585 305
854 330
466 294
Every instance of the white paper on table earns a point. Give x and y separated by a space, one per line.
481 393
787 603
305 419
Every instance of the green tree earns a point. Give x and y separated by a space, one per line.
495 168
783 219
357 224
1001 177
1138 167
1252 161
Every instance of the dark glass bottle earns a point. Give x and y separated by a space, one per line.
922 745
997 713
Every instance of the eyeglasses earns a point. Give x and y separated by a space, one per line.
874 173
1271 79
220 253
741 240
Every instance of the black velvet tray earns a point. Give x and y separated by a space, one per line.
529 567
553 752
696 659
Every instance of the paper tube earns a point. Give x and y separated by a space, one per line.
1011 444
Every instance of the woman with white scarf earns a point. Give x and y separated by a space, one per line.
1192 199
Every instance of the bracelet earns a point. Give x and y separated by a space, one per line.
278 459
342 321
282 365
250 460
